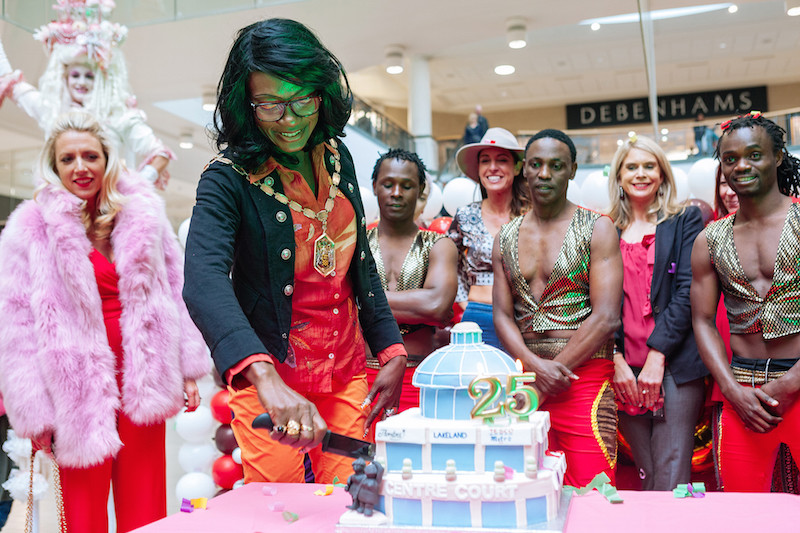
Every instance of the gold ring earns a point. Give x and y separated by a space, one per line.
307 428
292 428
391 411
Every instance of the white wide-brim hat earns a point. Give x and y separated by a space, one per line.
467 155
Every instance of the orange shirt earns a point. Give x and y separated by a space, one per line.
325 340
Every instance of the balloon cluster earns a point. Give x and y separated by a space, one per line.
198 455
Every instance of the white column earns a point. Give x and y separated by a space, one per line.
420 118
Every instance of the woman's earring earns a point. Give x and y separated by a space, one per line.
661 192
621 193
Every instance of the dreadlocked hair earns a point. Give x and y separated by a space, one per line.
789 169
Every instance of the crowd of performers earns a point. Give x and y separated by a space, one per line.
105 325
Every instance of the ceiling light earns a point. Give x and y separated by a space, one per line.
209 100
660 14
185 141
793 8
595 26
516 32
664 131
394 59
504 70
733 9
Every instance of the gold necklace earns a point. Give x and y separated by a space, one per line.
324 246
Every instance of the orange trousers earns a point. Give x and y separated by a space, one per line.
137 475
264 459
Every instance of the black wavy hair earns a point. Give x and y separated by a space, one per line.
557 135
402 155
290 51
789 169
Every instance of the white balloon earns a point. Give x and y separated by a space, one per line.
195 426
183 231
701 179
197 457
594 191
459 192
371 211
574 193
435 202
195 485
236 455
238 484
682 191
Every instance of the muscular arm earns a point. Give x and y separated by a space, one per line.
704 299
605 295
433 303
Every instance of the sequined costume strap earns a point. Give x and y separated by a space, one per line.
778 313
564 303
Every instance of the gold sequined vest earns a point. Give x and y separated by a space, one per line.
778 313
415 265
564 304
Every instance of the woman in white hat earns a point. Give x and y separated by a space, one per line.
496 164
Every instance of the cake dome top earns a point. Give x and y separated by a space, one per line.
466 357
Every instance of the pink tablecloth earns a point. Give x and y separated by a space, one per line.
247 510
660 512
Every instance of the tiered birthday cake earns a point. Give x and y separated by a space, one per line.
474 454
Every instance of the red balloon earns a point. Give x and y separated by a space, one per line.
441 224
225 439
226 472
219 407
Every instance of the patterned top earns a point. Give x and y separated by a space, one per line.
415 265
778 313
565 302
474 243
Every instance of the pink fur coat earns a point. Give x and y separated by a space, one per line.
57 371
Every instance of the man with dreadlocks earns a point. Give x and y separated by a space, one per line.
762 296
417 267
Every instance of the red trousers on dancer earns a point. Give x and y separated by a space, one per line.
747 458
583 423
139 471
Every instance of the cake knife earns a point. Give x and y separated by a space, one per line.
332 442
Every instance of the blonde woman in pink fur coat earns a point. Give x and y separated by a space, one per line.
97 349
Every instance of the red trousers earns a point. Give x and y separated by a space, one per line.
137 474
746 458
583 423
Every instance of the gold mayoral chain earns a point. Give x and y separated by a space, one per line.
324 247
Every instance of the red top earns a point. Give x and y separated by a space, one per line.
637 315
325 340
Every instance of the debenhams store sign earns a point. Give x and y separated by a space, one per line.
672 107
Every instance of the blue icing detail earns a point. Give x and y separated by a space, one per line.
463 405
444 404
381 504
499 514
462 454
406 512
396 452
450 514
536 510
512 456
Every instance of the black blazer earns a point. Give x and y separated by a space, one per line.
236 229
669 296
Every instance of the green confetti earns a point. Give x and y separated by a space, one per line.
290 516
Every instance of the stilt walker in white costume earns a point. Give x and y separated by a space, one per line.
87 70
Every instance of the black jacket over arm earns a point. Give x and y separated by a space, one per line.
236 229
669 297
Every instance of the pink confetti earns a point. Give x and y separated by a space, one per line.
509 472
269 491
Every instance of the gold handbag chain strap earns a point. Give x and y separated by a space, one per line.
62 520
